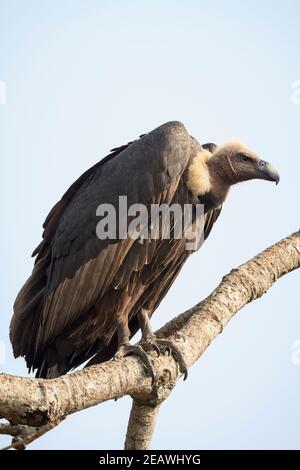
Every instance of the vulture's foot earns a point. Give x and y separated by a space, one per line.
166 346
128 349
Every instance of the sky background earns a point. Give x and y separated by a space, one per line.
85 76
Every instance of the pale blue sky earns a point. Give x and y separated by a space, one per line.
85 76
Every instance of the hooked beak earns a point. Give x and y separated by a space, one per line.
268 171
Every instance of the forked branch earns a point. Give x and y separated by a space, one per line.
38 402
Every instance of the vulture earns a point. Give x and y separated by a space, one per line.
88 295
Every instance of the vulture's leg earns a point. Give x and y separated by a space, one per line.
150 341
125 348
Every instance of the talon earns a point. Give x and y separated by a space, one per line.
128 349
178 357
156 348
149 344
167 346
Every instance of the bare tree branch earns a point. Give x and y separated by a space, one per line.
39 402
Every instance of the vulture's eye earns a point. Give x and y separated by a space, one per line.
244 157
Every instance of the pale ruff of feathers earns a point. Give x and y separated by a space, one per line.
198 180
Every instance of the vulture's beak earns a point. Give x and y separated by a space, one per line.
268 171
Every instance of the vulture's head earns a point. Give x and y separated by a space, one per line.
215 169
234 163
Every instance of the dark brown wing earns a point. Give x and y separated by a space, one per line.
74 268
210 218
156 290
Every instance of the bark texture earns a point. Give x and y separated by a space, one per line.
40 402
141 426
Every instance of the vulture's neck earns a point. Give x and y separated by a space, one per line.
207 181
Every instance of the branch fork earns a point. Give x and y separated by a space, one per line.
34 406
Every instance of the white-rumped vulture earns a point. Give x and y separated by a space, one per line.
86 296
